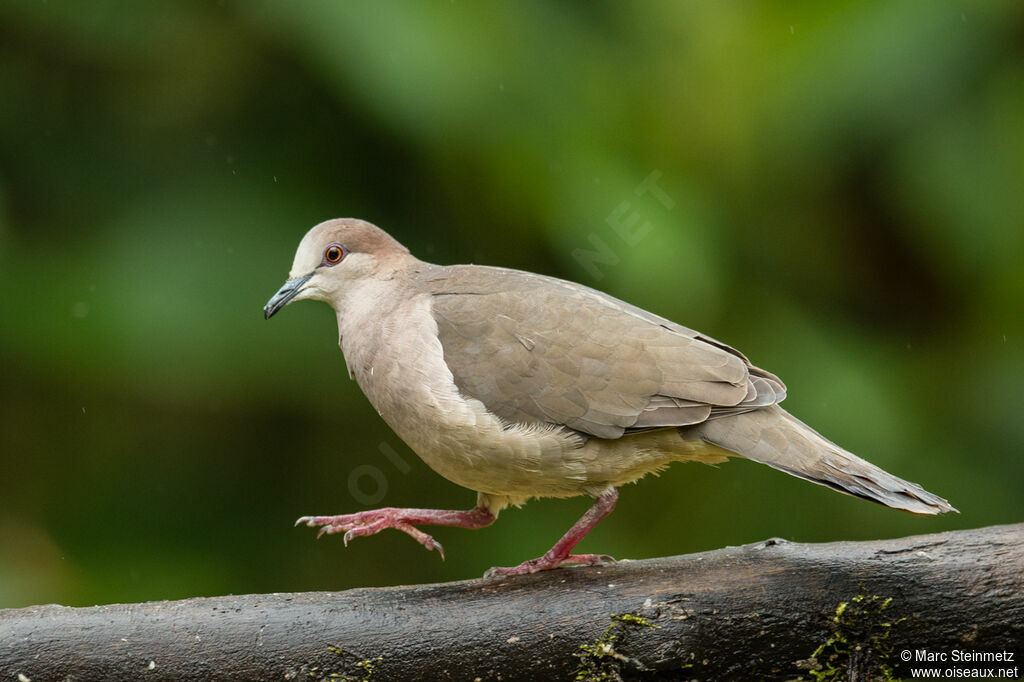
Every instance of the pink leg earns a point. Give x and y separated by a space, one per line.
375 520
559 554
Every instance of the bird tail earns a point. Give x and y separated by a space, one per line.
774 437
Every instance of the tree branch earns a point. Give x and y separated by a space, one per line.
756 611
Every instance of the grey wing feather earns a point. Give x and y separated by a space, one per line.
536 349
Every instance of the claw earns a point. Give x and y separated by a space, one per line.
373 521
545 563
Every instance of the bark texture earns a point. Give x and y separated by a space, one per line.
769 610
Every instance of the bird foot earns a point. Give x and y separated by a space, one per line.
545 563
375 520
369 523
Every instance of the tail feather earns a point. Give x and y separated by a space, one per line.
774 437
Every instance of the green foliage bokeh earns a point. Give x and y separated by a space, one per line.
833 188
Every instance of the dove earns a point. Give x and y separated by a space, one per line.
517 385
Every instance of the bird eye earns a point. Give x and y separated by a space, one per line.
333 254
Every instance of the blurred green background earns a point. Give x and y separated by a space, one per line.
839 194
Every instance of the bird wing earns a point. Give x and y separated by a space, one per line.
536 349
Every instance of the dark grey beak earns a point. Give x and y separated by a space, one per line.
286 293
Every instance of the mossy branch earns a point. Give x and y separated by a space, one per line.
770 610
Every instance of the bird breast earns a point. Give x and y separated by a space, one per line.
396 358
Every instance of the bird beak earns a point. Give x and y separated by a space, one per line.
284 295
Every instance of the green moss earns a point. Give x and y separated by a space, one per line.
601 659
634 619
365 666
858 646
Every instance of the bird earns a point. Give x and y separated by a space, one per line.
518 385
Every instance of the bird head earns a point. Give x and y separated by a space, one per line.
332 257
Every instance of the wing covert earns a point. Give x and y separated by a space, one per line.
539 349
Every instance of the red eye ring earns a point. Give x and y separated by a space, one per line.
334 253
